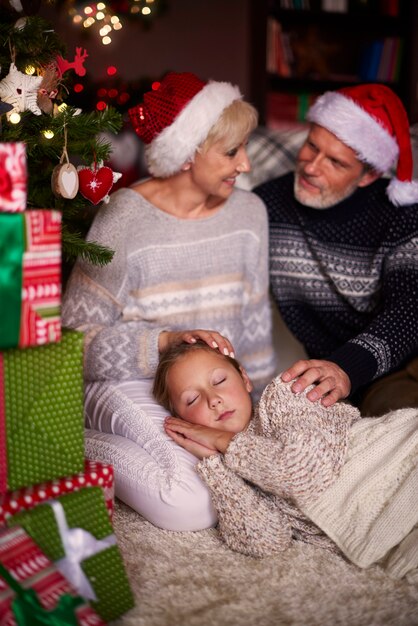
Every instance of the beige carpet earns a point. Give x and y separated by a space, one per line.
192 579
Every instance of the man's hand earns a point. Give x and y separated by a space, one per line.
331 382
202 441
215 340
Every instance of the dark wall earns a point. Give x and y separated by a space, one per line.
208 37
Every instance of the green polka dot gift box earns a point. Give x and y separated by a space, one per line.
74 531
41 412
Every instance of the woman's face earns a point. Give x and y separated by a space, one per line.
206 389
215 171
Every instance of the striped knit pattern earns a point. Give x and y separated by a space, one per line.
291 452
172 274
346 278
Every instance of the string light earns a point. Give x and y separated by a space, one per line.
103 17
29 70
48 134
14 118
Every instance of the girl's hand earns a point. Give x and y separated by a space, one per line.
202 441
211 337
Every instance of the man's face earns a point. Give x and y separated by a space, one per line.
327 170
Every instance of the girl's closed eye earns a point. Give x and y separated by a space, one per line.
219 381
191 400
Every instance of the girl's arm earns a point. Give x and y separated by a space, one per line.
248 519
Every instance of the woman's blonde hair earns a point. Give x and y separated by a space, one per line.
235 123
168 359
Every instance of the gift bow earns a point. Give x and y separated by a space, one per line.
78 545
28 611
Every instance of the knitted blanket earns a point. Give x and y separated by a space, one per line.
373 505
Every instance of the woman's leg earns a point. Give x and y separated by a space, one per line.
153 475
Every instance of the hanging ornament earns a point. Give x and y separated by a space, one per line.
48 89
77 64
20 24
64 181
96 182
20 90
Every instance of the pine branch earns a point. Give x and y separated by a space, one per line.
76 135
75 246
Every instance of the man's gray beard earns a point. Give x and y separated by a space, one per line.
320 202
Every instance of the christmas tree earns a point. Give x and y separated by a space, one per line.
65 154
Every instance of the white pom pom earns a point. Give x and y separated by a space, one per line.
402 193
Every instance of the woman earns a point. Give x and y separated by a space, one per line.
190 253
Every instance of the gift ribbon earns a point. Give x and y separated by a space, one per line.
12 247
28 611
78 545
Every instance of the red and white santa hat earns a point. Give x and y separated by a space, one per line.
372 121
175 118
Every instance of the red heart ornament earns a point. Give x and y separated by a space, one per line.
95 184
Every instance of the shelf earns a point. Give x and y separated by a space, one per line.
323 50
353 20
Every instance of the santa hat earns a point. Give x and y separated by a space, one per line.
372 121
175 119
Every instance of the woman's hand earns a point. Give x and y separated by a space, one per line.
202 441
215 340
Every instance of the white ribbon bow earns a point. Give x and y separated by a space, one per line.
78 545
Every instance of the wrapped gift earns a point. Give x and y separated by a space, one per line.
75 532
30 278
13 177
33 591
24 499
41 412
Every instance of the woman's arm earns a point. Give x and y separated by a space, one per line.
96 296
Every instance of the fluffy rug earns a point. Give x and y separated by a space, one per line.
193 579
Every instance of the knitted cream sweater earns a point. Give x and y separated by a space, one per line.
290 453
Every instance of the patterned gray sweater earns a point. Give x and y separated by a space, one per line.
290 453
172 274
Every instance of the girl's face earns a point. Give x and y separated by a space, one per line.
206 389
215 171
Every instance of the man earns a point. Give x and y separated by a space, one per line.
344 252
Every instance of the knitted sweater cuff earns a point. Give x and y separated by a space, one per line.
211 470
152 348
358 363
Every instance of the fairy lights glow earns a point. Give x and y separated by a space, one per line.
101 17
14 118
